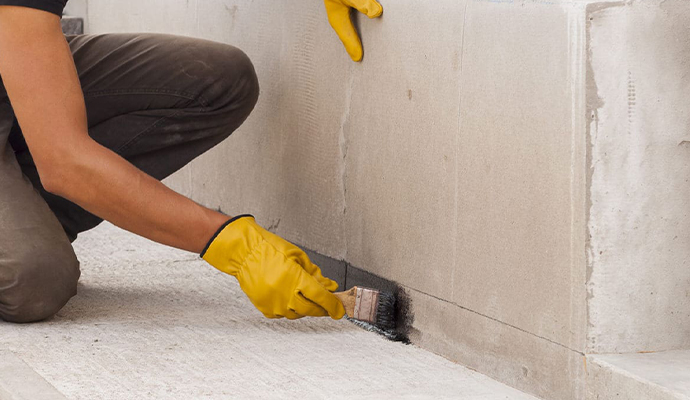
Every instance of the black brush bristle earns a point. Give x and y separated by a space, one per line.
385 312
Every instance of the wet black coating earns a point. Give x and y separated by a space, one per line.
347 276
399 318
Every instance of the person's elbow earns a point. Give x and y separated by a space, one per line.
55 181
59 168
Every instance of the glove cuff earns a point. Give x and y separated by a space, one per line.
228 222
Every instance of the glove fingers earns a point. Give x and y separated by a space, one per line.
289 314
329 284
314 270
371 8
302 306
316 301
339 17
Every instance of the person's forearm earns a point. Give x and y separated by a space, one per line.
107 185
41 80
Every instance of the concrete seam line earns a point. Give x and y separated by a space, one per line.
18 381
493 319
346 266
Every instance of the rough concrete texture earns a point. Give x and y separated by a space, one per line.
639 252
18 381
72 25
155 322
506 353
651 376
459 160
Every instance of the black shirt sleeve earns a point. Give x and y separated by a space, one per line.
53 6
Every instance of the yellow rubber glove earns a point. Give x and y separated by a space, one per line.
339 17
276 275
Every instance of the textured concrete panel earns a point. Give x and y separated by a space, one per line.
506 353
640 161
516 190
401 132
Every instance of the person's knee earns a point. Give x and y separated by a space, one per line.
35 286
246 82
240 84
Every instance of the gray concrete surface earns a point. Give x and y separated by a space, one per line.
639 251
520 167
651 376
155 322
72 25
18 381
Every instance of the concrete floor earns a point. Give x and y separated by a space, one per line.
155 322
653 376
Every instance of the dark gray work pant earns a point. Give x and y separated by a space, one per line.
158 100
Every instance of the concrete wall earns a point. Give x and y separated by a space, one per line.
476 157
639 253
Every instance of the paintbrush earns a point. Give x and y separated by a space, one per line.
369 305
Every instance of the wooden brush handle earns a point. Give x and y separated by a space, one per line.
349 299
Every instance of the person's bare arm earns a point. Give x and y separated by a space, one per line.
41 80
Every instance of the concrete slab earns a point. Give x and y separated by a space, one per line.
154 322
639 222
654 376
518 183
18 381
509 354
401 160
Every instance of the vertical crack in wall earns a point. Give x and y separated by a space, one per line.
456 144
343 147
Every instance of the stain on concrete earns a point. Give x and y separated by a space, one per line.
403 316
233 12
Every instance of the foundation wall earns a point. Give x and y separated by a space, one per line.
459 160
639 253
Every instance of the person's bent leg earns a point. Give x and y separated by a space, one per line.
158 100
38 268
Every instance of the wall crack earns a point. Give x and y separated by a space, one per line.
343 145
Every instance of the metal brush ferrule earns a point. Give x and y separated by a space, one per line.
366 304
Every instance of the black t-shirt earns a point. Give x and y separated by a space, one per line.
53 6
